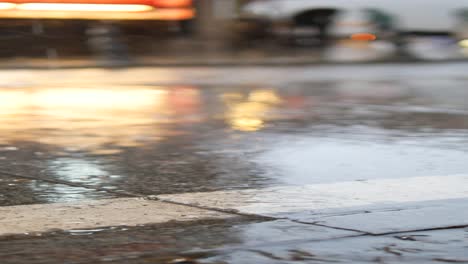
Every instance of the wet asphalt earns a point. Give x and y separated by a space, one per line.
77 142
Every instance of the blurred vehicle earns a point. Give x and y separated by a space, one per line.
323 20
101 22
115 10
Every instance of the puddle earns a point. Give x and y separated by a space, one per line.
334 159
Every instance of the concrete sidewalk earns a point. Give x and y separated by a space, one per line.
234 165
265 230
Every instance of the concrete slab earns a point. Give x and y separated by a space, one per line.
443 246
399 217
375 206
92 214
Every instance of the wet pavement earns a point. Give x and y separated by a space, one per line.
226 131
156 139
21 191
166 243
234 241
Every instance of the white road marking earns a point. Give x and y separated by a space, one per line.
93 214
372 193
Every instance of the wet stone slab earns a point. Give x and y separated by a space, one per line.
374 206
442 246
20 191
397 217
95 214
162 243
233 241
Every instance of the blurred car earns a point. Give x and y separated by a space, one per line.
103 23
322 20
177 10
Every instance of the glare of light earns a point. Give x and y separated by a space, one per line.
363 37
250 115
6 6
173 3
112 99
90 119
247 116
264 96
463 43
84 7
247 124
176 13
11 101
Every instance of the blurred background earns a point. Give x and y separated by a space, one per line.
232 31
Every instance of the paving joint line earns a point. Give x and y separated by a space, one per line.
332 227
383 234
132 195
226 211
420 230
257 216
270 218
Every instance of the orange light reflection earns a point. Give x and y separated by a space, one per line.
85 119
363 37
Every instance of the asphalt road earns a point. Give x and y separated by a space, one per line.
235 165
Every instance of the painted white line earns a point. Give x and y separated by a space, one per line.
93 214
357 194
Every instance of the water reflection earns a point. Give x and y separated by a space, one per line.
19 191
249 112
153 140
82 170
59 193
83 118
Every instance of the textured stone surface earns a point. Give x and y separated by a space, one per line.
93 214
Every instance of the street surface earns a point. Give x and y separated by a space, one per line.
304 164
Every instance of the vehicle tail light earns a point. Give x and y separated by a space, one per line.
363 37
173 3
6 6
83 7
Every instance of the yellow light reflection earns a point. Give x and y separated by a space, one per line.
247 124
84 119
264 96
463 43
250 114
84 7
7 6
